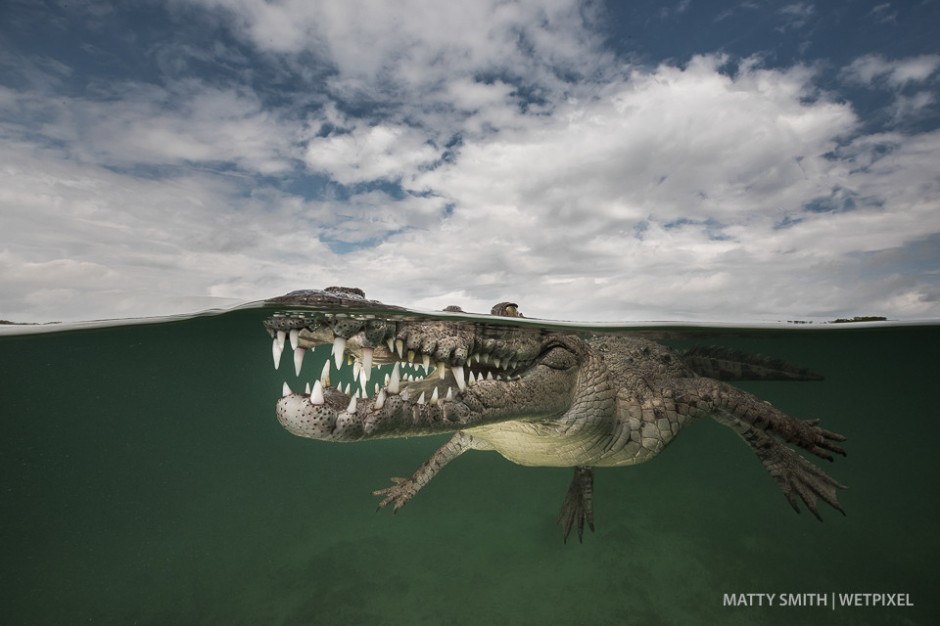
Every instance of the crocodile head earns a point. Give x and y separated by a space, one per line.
417 376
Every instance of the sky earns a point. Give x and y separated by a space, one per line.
741 160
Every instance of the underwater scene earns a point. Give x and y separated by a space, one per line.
151 474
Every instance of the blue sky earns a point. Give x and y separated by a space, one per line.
724 161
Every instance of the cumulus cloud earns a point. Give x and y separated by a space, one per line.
81 241
671 143
139 124
370 153
415 46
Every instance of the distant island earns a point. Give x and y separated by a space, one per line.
842 320
860 318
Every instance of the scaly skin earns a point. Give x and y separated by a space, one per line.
542 398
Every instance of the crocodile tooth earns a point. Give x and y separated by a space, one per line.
400 348
351 409
357 369
281 336
285 390
411 356
379 401
489 376
471 379
298 359
276 351
390 342
458 376
387 379
316 396
426 362
362 387
307 389
421 398
294 338
496 363
367 363
325 374
393 382
450 393
441 369
376 392
434 395
339 348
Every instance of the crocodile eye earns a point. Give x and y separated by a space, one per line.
559 358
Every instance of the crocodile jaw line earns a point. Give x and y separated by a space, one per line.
420 394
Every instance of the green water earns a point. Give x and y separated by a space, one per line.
145 480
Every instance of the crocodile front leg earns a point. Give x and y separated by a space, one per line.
578 506
405 489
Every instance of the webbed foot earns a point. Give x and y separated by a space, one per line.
578 505
797 478
398 494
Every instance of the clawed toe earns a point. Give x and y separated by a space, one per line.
577 508
801 480
398 494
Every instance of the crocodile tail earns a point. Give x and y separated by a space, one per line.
725 364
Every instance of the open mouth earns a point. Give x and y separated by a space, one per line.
372 358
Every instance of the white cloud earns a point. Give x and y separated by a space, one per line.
413 46
79 241
370 153
670 143
872 68
797 14
883 14
138 124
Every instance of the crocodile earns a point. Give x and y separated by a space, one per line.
539 396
